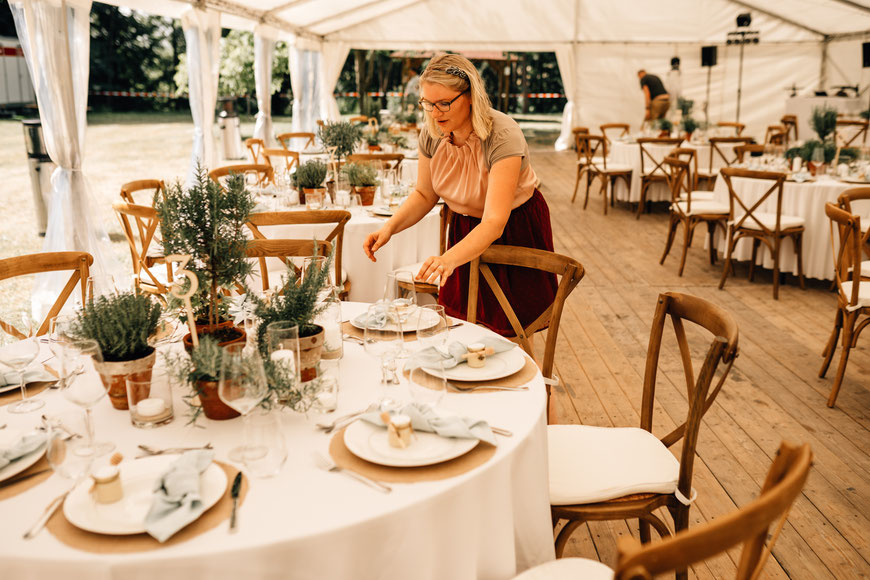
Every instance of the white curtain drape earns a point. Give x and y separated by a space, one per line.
332 59
264 50
55 37
202 33
304 66
566 57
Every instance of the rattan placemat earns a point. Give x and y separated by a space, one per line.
33 389
14 489
350 329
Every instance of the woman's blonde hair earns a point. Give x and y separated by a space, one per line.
456 72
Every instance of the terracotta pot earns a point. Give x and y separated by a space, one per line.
201 329
307 190
115 374
212 405
310 350
366 193
374 147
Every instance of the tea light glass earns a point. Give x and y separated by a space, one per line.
150 401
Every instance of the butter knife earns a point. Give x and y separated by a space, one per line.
15 480
234 493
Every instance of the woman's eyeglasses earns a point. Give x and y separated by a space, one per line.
443 106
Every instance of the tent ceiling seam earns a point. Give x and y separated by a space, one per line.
284 6
370 18
234 9
855 5
344 13
751 6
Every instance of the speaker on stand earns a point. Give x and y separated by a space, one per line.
708 60
865 63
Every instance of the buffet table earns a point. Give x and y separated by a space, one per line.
487 523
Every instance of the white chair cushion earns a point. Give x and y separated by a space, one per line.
863 291
702 207
769 220
591 464
700 195
568 569
614 167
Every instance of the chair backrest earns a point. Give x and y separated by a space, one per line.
849 130
570 271
738 127
847 251
139 240
790 124
653 151
255 146
748 526
682 308
155 188
380 160
845 201
719 149
256 174
775 135
679 182
616 130
690 155
285 139
284 249
338 219
741 212
78 262
593 149
290 159
741 150
359 119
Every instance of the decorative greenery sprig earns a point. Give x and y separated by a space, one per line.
121 325
805 151
824 121
310 175
341 135
360 174
399 141
685 106
689 125
202 364
664 125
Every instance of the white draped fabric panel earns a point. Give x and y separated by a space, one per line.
202 33
565 57
333 56
55 37
264 49
304 66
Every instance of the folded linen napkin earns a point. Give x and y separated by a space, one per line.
31 375
425 418
18 445
176 495
379 319
432 357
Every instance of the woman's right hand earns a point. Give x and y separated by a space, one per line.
375 241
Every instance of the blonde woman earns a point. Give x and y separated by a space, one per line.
476 159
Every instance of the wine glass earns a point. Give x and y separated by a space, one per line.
383 340
17 355
428 388
58 331
82 385
816 159
432 326
354 203
242 385
400 292
69 452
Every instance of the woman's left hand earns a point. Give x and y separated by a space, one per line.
433 267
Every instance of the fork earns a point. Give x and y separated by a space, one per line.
326 464
459 389
345 419
153 451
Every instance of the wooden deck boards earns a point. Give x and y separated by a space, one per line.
773 393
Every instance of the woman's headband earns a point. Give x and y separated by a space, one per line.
457 72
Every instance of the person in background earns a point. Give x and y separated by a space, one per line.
675 86
411 93
656 98
477 160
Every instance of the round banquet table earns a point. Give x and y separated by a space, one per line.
366 277
806 200
488 523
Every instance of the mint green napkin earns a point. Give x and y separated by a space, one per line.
177 500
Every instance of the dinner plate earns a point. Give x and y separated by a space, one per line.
498 366
369 442
22 463
127 516
850 180
383 211
410 325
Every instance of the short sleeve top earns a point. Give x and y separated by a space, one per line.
460 174
654 84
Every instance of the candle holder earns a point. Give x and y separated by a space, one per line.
150 401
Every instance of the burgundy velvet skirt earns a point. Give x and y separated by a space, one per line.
529 291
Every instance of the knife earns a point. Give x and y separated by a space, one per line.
15 480
234 493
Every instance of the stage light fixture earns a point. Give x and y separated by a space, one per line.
744 20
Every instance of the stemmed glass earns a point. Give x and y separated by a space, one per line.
383 340
82 385
58 328
432 326
428 388
318 263
242 385
69 452
17 355
816 159
401 294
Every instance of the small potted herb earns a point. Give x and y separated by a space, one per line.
342 135
685 106
200 372
363 178
309 178
824 122
373 142
121 325
689 125
664 126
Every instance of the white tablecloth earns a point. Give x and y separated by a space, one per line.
806 200
629 154
488 523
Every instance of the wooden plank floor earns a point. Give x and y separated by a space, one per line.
773 393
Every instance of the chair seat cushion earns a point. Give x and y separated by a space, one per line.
614 167
863 291
769 220
568 569
700 195
700 207
591 464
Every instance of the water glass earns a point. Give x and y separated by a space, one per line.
401 293
355 202
69 452
383 340
330 320
267 446
150 402
328 374
242 386
432 326
428 389
313 201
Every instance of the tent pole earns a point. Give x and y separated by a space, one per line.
739 82
707 102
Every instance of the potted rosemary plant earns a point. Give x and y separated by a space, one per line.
207 222
309 178
199 371
363 178
121 325
689 125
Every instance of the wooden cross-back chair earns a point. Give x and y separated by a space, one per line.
845 201
689 212
569 271
79 263
790 124
256 174
853 291
155 189
738 127
596 166
285 250
748 527
616 131
741 150
380 160
690 156
289 160
719 152
285 139
336 218
850 130
358 119
580 146
144 255
255 146
652 169
762 227
635 472
775 135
